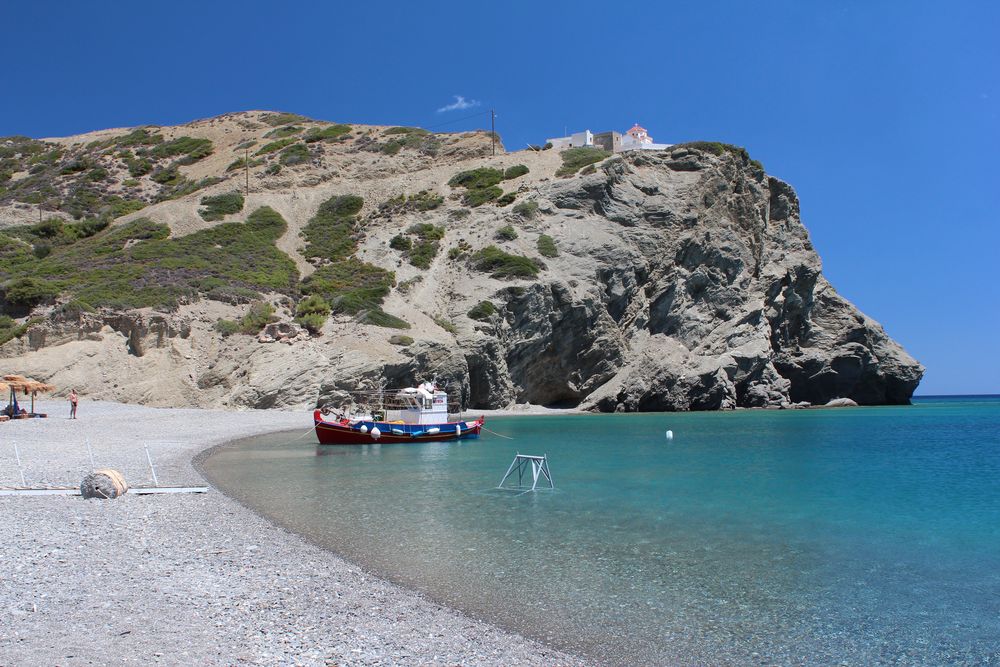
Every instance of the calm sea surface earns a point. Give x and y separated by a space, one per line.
862 536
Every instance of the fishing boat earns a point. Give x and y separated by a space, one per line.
410 415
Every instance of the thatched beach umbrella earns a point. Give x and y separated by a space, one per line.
28 386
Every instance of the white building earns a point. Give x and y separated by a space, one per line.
585 138
636 139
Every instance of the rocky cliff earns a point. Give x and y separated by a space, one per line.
673 280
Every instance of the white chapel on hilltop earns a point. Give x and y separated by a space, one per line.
635 139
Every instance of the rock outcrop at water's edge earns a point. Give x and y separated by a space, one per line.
684 280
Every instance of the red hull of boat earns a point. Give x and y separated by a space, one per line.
341 433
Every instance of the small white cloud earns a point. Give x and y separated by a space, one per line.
459 103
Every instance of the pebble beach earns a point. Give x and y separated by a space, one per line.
194 578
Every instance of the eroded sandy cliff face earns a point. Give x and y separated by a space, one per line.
684 280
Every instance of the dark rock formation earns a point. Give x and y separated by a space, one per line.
710 297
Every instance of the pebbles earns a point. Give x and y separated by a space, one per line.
195 579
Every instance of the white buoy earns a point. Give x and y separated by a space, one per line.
670 434
375 433
364 428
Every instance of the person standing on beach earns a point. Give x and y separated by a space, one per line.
73 398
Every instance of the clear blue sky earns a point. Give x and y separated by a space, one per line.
883 115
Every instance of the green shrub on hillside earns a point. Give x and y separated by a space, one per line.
312 313
426 231
227 327
284 131
10 329
136 265
181 187
219 206
191 148
576 158
282 118
401 339
547 246
118 207
96 174
507 199
140 136
515 171
480 184
460 250
526 209
420 245
506 233
426 247
29 291
422 201
401 243
354 287
482 311
409 137
167 175
74 166
347 284
479 196
445 324
294 154
275 146
81 202
331 234
47 229
503 265
138 166
407 130
482 177
329 133
380 318
258 316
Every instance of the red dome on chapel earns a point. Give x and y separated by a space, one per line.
637 128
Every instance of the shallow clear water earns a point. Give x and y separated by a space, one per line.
868 535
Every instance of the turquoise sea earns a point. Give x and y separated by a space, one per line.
857 536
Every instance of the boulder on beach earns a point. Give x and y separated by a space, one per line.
105 483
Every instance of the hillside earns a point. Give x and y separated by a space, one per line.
135 266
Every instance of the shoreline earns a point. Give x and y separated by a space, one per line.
197 578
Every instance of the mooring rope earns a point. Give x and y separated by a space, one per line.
497 434
309 430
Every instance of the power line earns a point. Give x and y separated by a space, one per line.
458 120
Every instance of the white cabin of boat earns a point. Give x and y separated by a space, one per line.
420 405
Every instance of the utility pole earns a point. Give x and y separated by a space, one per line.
246 165
493 129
